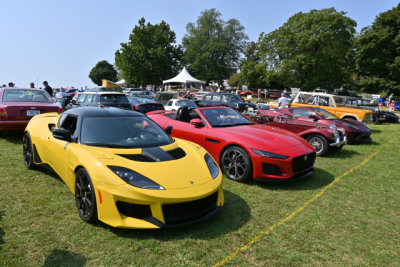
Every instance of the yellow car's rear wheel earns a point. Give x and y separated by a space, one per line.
85 196
28 151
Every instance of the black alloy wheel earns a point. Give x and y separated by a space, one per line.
28 151
236 164
85 197
319 143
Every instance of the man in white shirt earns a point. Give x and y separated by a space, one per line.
283 101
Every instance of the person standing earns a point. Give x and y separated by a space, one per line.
283 101
47 88
11 84
32 85
391 106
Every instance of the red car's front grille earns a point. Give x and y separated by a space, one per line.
303 162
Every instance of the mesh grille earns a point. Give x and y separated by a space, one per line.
303 162
271 169
134 210
188 211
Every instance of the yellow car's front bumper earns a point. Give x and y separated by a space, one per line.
125 206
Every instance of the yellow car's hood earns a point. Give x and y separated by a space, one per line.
170 172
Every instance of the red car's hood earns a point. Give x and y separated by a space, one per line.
276 140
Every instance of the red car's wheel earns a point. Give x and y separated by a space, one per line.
28 152
319 143
85 196
236 164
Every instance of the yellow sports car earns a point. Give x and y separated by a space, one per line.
123 169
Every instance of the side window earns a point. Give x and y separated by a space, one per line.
216 98
169 103
69 123
89 98
81 98
207 97
300 112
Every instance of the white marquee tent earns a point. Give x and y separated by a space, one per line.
184 77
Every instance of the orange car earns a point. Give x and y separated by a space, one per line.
331 103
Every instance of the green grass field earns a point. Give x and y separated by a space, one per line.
356 221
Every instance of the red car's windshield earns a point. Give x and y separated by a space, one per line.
23 95
225 117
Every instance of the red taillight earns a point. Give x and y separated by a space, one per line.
60 110
101 106
3 113
133 107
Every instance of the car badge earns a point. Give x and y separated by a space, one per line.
305 157
191 182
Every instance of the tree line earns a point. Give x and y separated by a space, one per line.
320 48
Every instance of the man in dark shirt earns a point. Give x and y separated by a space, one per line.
47 88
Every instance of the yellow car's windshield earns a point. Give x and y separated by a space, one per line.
129 132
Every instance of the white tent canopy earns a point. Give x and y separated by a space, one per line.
183 77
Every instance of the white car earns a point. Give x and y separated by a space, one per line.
175 104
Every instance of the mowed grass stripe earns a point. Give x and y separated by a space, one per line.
306 204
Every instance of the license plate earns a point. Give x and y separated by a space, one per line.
32 112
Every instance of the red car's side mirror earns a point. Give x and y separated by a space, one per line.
313 116
197 123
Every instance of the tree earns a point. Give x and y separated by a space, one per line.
377 55
212 46
150 56
103 70
310 50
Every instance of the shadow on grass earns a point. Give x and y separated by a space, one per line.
14 137
234 214
47 170
376 131
318 179
61 257
342 154
2 233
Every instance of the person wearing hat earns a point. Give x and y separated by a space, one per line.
47 88
10 84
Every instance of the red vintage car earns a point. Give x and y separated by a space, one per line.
19 105
243 149
322 129
357 132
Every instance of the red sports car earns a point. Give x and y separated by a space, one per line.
242 148
357 132
19 105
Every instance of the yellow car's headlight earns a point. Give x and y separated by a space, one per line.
212 166
136 179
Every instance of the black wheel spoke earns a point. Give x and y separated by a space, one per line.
85 197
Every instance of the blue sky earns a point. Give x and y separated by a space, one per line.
61 41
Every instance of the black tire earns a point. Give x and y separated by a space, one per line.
28 151
336 148
236 164
319 143
85 197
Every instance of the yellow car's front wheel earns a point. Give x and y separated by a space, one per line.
85 196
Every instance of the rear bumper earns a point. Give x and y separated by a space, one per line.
13 125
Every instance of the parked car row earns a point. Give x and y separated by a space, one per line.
164 168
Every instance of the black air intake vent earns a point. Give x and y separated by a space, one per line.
177 153
138 157
155 154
